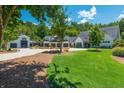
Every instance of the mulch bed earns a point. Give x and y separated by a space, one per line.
5 51
119 59
25 72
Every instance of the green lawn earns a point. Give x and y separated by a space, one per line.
86 69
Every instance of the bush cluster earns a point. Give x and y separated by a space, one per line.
118 43
36 47
118 51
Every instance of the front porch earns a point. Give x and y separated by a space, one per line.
55 44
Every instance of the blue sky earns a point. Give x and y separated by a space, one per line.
87 13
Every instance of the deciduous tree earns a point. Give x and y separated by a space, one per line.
60 26
95 36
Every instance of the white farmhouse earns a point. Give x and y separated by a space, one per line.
23 41
81 41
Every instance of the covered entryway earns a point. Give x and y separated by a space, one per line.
23 41
24 44
78 45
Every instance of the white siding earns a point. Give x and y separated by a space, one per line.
79 40
107 38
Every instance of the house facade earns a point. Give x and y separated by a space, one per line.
110 35
77 42
53 41
80 41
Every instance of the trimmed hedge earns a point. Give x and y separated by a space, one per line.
118 51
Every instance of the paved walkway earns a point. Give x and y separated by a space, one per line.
28 52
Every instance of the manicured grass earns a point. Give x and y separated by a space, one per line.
86 69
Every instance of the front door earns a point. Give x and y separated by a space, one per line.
24 44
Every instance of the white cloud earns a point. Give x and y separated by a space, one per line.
35 23
68 19
87 15
120 16
83 21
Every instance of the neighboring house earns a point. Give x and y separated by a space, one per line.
23 41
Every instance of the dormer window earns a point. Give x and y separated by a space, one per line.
23 38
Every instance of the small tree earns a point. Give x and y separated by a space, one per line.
59 26
95 36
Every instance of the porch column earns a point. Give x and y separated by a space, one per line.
56 45
74 45
44 44
68 45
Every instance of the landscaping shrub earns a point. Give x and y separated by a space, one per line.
9 49
118 43
36 47
66 49
118 51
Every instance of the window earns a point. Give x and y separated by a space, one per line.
106 41
65 45
13 45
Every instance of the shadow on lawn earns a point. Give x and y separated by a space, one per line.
52 52
13 75
57 81
94 50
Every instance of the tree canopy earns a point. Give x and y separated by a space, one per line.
121 26
10 15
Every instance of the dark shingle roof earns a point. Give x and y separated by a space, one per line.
72 39
111 31
84 35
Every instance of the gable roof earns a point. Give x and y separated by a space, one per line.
84 35
112 31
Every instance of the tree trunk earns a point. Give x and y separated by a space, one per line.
61 46
3 23
1 27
